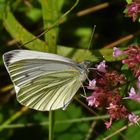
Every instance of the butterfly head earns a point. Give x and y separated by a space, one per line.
87 64
84 66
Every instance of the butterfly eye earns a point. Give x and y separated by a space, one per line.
84 65
87 63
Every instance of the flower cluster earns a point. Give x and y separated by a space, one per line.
133 9
132 59
105 87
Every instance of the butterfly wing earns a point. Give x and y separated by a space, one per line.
42 81
50 91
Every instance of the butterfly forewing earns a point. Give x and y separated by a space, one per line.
25 70
43 81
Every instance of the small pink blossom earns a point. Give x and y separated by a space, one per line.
133 118
101 67
133 95
90 100
112 106
97 98
133 10
108 123
133 59
117 52
139 78
92 84
132 92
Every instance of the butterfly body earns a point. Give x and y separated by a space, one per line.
44 81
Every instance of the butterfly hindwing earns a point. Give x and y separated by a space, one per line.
50 91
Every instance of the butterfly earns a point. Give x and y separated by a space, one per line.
44 81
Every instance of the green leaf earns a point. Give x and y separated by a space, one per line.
60 4
125 11
129 1
72 131
67 115
125 67
18 32
3 4
115 127
34 14
82 54
84 35
139 19
133 133
50 13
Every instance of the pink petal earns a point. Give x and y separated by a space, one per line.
132 92
101 67
117 52
133 118
92 84
133 95
90 100
108 124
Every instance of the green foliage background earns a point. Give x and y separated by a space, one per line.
21 21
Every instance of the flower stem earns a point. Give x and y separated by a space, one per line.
51 124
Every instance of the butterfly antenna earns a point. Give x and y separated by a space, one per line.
38 36
91 37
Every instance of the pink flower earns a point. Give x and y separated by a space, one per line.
101 67
91 100
112 106
133 95
117 52
133 118
132 92
133 59
108 123
98 98
133 10
139 78
92 84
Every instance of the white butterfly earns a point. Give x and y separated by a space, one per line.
44 81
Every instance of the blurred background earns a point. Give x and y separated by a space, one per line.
21 21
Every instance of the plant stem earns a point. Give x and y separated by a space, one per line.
12 118
51 124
